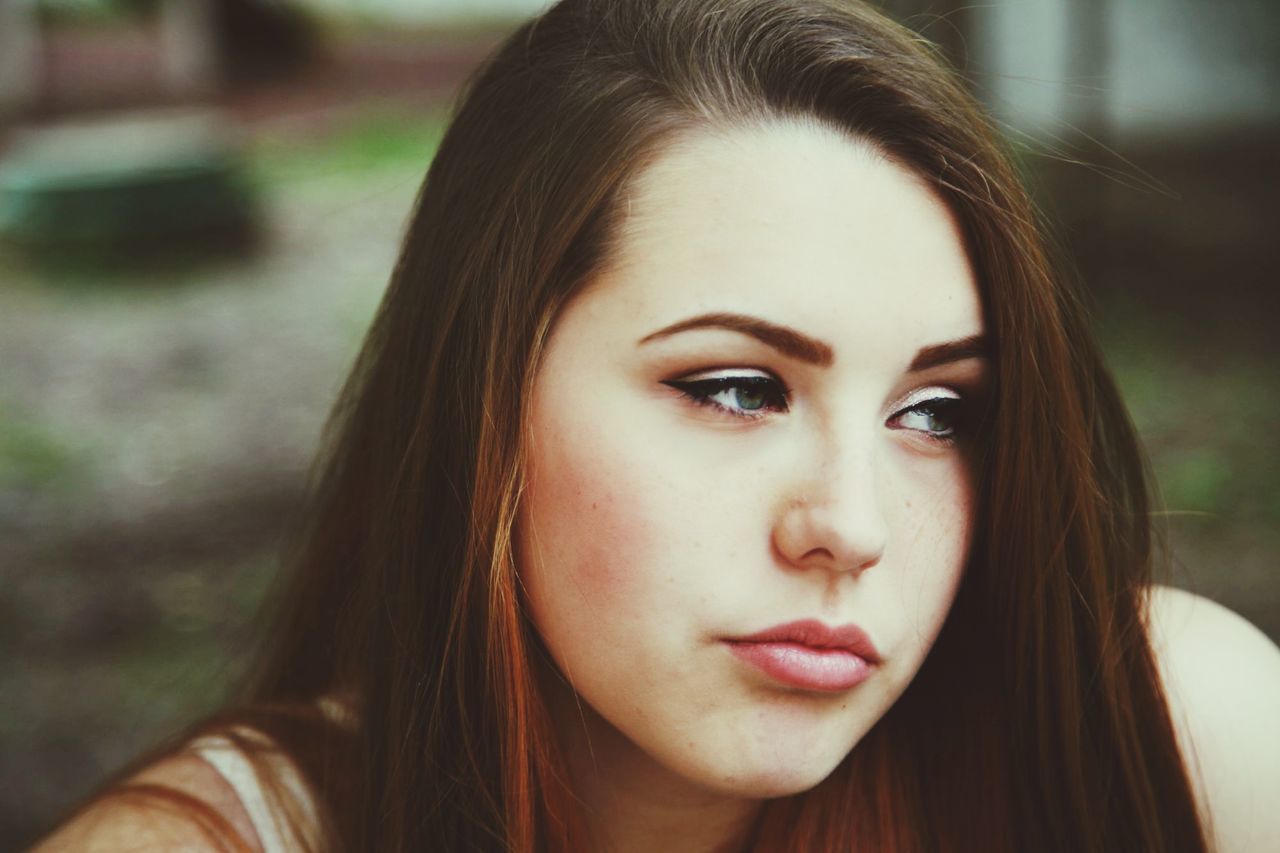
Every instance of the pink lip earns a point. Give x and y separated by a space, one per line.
810 655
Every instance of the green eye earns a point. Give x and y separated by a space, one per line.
743 396
749 399
939 419
931 419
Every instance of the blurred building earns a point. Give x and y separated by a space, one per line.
1160 66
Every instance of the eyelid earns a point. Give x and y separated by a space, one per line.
729 373
923 395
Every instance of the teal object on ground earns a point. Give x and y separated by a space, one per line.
131 182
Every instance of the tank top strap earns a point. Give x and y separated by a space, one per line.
235 767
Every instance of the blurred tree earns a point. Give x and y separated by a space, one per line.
262 39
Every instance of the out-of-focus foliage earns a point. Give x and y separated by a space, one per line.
36 455
125 183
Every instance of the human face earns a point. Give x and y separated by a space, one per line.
731 430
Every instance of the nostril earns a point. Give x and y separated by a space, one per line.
820 554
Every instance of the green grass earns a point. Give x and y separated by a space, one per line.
371 144
1205 427
35 455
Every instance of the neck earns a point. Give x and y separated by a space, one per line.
629 800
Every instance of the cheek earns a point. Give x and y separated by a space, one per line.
934 510
582 533
934 527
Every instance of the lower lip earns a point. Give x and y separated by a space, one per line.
804 667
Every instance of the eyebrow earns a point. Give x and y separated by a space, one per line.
801 347
785 340
974 346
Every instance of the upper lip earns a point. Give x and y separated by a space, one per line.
817 635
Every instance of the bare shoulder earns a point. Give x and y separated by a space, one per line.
159 809
1222 679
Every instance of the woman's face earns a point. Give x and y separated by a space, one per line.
754 418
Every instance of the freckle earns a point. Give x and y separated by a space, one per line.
593 504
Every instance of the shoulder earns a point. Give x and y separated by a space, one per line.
179 803
1222 682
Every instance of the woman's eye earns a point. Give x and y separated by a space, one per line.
742 395
940 419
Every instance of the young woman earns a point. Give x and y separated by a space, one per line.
726 469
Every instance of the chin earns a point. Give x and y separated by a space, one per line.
770 779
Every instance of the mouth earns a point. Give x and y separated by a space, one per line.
809 655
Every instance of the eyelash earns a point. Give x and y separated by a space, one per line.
702 392
950 409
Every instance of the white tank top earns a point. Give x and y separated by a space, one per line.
231 763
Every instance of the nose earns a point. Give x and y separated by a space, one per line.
834 519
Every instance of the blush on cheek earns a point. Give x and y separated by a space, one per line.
605 540
589 533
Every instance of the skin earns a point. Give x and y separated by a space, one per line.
654 528
1222 681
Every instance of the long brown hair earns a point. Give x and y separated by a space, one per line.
1038 721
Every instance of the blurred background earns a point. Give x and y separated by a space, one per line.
200 203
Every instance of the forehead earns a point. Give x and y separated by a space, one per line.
798 223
